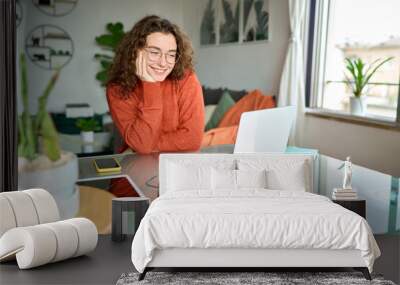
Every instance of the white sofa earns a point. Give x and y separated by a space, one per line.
191 184
31 233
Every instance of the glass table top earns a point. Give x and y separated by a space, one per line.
381 191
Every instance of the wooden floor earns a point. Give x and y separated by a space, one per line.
102 266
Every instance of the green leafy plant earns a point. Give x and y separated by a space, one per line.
361 73
88 125
37 134
108 42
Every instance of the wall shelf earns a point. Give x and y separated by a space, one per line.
55 8
49 47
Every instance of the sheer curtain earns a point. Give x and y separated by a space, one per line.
8 107
291 89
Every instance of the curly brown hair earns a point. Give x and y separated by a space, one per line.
123 69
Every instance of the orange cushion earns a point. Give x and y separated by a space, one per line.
254 100
219 136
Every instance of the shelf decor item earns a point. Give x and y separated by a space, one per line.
49 47
41 162
88 127
360 75
55 8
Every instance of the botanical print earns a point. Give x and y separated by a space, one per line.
208 23
255 20
234 21
229 21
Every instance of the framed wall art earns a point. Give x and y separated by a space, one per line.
234 21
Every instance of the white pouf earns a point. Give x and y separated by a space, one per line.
31 232
37 245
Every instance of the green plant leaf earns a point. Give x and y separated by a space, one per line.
49 135
41 125
369 75
88 125
102 77
27 145
361 73
107 41
115 28
105 64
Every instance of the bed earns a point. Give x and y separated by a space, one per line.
247 210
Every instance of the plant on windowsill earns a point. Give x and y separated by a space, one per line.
88 127
360 75
41 162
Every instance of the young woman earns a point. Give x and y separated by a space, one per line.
154 96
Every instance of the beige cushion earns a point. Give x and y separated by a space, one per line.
209 110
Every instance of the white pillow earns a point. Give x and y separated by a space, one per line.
251 178
223 179
283 173
293 179
181 177
236 179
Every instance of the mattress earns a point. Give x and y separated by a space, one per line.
250 219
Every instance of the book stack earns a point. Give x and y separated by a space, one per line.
78 110
344 194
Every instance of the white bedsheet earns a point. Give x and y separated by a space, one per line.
251 218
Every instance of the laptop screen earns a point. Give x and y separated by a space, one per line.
265 130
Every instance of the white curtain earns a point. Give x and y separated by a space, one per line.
291 89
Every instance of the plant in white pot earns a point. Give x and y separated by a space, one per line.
41 162
88 127
360 75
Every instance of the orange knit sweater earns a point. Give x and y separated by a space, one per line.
160 116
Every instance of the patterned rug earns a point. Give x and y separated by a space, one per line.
243 278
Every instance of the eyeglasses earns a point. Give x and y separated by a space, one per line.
155 54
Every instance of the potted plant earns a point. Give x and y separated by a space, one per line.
109 43
41 162
88 127
360 75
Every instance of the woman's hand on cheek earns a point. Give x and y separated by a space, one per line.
141 68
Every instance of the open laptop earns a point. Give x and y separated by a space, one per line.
265 130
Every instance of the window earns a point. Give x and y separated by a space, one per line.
365 29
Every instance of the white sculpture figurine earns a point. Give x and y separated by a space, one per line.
347 174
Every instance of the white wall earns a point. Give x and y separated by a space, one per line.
77 81
240 66
375 148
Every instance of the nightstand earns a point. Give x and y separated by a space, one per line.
357 206
127 212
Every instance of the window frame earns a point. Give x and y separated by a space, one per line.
318 24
